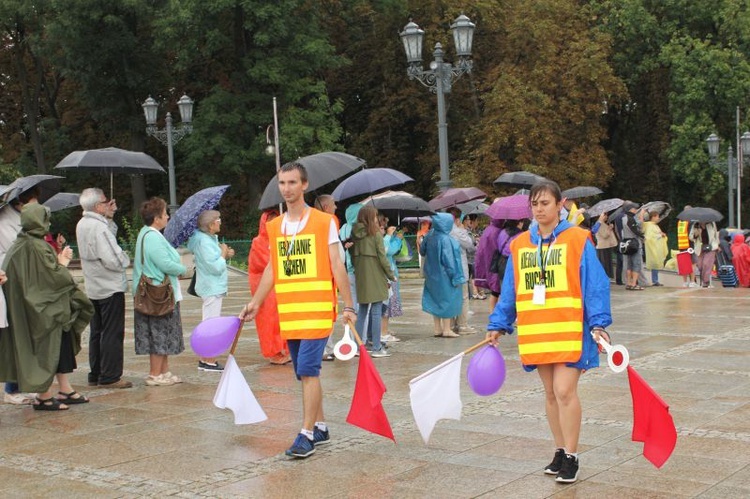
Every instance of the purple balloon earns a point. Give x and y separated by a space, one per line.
486 371
214 336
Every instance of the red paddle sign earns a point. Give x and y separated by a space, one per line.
345 348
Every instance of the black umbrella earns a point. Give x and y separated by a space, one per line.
48 185
455 196
322 168
62 201
476 207
368 181
699 214
582 191
518 179
399 203
111 160
604 206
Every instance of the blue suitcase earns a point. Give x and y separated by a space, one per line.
728 276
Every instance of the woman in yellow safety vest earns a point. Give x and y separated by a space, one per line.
558 293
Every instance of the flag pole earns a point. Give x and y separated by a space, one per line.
236 338
471 349
354 331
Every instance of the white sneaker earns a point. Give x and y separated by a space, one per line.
175 379
159 380
467 330
389 338
693 285
19 398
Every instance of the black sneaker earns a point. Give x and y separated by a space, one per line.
205 366
302 447
320 437
553 468
569 470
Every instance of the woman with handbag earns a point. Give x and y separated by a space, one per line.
158 327
705 238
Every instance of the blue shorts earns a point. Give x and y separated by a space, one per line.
307 356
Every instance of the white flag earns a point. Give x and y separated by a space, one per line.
234 393
435 395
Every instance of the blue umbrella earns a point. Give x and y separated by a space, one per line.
369 181
184 221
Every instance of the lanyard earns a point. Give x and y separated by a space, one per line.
542 263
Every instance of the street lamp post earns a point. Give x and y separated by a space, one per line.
440 77
170 135
734 170
273 149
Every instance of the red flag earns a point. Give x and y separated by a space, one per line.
652 423
367 410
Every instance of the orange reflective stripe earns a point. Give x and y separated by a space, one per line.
683 241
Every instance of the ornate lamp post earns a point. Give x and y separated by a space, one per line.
440 76
170 135
734 170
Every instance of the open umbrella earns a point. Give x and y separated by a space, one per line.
455 196
369 181
698 214
518 179
604 206
582 191
662 207
184 221
63 201
510 208
476 207
111 160
48 185
322 168
400 203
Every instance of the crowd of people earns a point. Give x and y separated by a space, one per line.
303 262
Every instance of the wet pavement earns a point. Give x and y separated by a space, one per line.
691 345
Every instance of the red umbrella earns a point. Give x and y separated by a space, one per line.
515 207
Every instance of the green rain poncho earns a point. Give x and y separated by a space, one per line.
43 301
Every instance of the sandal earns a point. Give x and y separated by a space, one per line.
629 288
71 398
50 404
637 288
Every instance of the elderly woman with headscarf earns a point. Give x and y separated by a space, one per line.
47 314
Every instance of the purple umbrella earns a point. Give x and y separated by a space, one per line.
184 221
368 181
456 196
510 208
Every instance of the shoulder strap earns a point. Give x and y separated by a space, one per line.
142 239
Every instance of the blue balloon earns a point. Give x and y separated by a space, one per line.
486 371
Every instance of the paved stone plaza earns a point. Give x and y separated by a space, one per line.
691 345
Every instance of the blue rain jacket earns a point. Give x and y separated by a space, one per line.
444 276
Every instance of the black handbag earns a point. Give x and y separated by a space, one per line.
191 287
499 261
156 300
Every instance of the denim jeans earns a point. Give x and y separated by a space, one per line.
368 323
654 276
